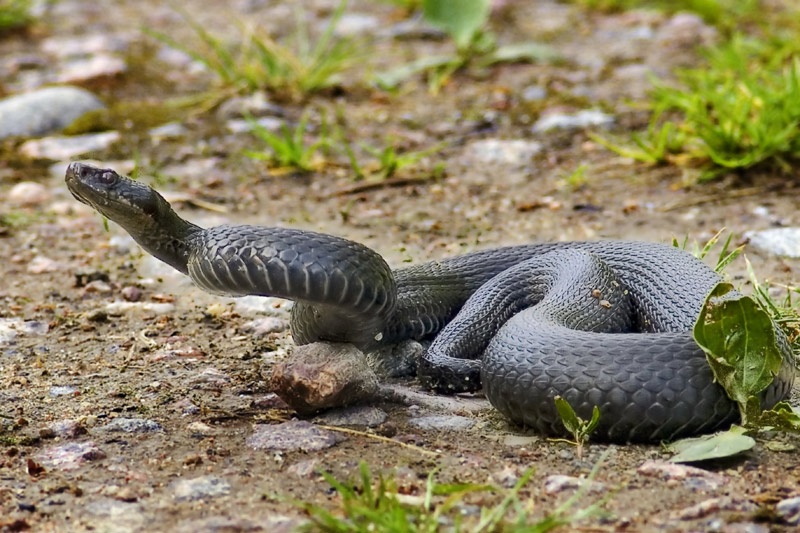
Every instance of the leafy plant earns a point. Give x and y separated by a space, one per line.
581 429
14 14
465 22
389 160
259 62
289 148
377 507
726 256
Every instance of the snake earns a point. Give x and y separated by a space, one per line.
604 324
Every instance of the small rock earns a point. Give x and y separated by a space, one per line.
534 93
324 375
442 422
520 440
359 415
696 477
186 406
507 477
210 379
62 391
255 105
119 307
261 327
41 265
227 524
513 152
118 516
98 286
28 193
132 425
199 429
291 436
172 130
304 469
44 111
99 66
789 510
237 125
67 429
199 488
582 119
713 505
352 24
84 45
559 483
779 241
70 456
131 294
67 147
269 401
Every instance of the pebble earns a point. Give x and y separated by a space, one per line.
122 516
157 308
267 305
41 264
210 379
696 478
28 193
261 327
171 130
451 404
70 456
789 510
84 45
779 241
99 66
10 328
186 406
199 488
255 105
713 505
238 125
132 425
44 111
355 24
64 390
323 375
292 436
511 152
200 429
582 119
57 148
131 293
559 483
534 93
360 415
442 422
67 428
228 524
304 469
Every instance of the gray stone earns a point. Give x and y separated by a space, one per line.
789 510
559 483
696 478
67 428
44 111
581 119
352 24
199 488
171 130
63 390
511 152
291 436
360 415
534 93
442 422
779 241
66 147
132 425
115 516
28 193
70 456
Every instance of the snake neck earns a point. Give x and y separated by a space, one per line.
169 238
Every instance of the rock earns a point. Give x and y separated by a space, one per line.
255 105
131 293
779 241
695 478
85 45
172 130
199 429
520 440
324 375
507 477
62 391
533 93
443 422
511 152
67 429
157 308
44 111
227 524
119 516
789 510
713 505
70 456
355 24
261 327
28 193
11 328
452 404
199 488
67 147
242 126
559 483
96 67
210 379
359 415
132 425
744 527
254 305
186 406
41 265
304 469
291 436
582 119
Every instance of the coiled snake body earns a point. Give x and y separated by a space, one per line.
600 323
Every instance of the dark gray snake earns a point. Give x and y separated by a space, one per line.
599 323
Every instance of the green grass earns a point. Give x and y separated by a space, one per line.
376 506
14 14
388 160
717 12
290 147
740 110
259 62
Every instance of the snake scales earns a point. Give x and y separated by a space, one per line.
600 323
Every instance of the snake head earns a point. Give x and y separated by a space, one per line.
118 198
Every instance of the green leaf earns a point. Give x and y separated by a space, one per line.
568 416
392 78
723 444
461 19
782 416
518 52
739 340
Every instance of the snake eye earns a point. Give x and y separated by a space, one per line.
107 177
